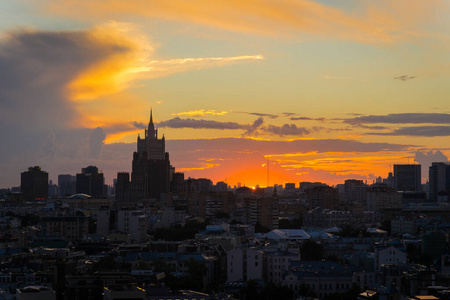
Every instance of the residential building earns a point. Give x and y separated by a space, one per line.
90 182
439 182
408 178
34 184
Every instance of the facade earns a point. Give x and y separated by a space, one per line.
439 186
151 169
133 223
323 196
34 184
407 178
389 255
245 264
90 182
68 227
402 224
381 196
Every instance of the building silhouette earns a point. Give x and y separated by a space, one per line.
439 182
34 184
151 169
407 178
66 185
90 182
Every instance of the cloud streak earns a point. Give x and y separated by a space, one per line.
423 131
162 68
403 118
380 22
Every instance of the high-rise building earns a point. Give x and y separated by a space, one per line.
66 185
90 182
407 178
151 169
34 184
439 181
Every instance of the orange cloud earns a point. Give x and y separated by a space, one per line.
384 21
113 72
201 113
162 68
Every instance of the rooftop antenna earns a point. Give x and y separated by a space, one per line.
268 164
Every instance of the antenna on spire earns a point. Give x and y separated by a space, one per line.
151 115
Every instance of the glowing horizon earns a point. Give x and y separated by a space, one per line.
327 91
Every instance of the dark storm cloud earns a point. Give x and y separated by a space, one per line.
425 131
404 118
37 117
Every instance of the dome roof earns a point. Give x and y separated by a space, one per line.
79 196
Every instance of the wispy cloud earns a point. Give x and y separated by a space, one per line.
200 124
404 77
424 131
377 22
306 119
271 116
161 68
202 113
403 118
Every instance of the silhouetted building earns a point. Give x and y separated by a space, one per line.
439 181
151 169
381 196
66 185
322 196
90 182
34 184
407 178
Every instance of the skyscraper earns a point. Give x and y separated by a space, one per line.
66 185
34 184
90 182
407 178
439 184
151 169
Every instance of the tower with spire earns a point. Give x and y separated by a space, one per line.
151 169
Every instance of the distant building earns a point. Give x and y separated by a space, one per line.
66 185
68 227
34 184
133 223
439 182
245 264
289 186
407 178
90 182
381 196
323 196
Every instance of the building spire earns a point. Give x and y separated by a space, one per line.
151 115
151 127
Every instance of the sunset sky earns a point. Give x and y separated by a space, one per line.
322 90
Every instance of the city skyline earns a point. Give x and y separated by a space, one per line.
326 91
